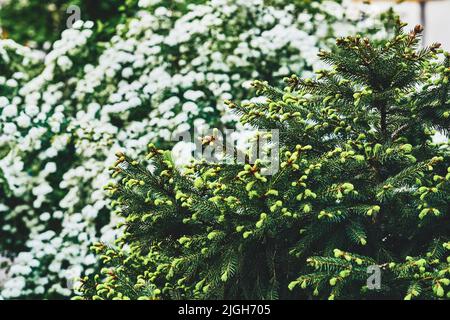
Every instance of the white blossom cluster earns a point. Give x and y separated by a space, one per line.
17 64
163 72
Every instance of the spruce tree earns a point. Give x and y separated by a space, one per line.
362 186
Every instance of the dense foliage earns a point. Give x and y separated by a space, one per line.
361 185
39 23
166 68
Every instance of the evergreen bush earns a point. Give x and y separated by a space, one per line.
362 186
166 68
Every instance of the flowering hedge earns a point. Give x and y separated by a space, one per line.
165 70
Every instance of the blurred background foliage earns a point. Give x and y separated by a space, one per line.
36 22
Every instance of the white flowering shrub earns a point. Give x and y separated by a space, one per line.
18 64
164 71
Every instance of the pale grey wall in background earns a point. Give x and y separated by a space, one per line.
437 27
438 15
